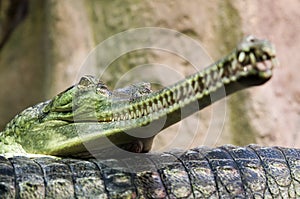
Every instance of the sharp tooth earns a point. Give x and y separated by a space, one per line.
219 84
183 91
207 81
252 59
195 89
168 97
190 90
221 72
214 68
264 57
133 115
234 66
233 78
165 104
206 91
159 104
141 113
115 117
138 113
149 110
121 116
154 107
226 80
215 76
145 112
241 57
174 95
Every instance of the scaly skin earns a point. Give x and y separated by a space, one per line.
88 114
224 172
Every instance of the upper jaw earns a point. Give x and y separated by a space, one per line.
260 61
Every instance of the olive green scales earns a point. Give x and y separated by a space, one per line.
88 120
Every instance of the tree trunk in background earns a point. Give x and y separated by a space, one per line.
23 60
45 55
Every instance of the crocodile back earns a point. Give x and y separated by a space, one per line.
223 172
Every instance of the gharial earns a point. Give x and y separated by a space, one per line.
88 120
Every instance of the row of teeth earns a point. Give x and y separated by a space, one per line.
175 97
143 109
242 56
210 80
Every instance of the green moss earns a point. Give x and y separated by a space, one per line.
241 129
229 33
229 25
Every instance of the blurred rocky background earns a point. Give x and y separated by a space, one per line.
43 45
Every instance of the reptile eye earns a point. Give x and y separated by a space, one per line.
101 86
85 81
102 89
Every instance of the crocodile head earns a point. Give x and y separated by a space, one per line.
88 117
84 113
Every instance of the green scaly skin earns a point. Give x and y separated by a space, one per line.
132 116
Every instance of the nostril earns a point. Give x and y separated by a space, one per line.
251 38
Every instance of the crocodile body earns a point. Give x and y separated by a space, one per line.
224 172
100 129
88 117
